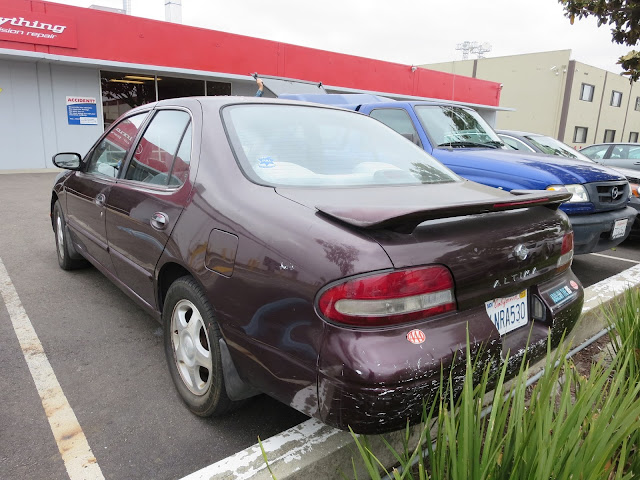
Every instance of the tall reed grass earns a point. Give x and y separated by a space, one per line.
566 426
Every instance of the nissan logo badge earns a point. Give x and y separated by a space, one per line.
521 252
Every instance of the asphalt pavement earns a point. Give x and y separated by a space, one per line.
108 358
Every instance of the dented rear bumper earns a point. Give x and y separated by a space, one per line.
375 380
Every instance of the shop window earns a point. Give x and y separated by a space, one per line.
609 136
123 91
616 98
633 137
586 93
580 135
171 87
218 88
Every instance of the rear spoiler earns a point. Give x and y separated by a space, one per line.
406 219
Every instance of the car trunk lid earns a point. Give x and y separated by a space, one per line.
486 228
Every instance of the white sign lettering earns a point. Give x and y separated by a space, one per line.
21 22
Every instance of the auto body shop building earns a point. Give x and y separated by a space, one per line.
66 73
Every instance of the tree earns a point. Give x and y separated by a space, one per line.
623 15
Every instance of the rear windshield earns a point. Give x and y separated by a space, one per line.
311 146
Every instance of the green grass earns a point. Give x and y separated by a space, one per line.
566 426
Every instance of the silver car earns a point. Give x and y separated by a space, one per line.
625 155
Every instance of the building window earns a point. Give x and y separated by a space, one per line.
609 135
580 135
172 87
123 91
633 137
218 88
616 98
586 93
637 103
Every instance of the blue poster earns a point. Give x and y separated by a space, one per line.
82 111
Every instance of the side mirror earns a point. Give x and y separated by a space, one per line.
67 160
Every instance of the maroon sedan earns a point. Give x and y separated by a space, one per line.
312 254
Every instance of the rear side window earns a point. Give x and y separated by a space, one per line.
153 159
399 120
315 146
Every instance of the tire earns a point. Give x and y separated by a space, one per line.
62 241
193 349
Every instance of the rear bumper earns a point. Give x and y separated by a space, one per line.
592 233
374 382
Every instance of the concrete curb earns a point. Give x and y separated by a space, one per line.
315 450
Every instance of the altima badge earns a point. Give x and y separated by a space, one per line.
521 252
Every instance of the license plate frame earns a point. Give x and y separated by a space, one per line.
619 228
509 313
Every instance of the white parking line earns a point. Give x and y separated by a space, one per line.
73 446
616 258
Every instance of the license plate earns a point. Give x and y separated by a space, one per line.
508 313
619 228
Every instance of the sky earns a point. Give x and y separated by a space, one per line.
411 32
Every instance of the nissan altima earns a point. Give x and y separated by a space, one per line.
312 254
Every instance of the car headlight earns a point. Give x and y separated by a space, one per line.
579 192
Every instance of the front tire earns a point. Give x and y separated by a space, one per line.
192 349
62 241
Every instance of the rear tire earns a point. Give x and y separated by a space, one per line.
192 349
62 241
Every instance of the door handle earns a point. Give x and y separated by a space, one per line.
159 220
100 199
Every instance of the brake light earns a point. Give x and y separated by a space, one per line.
566 253
390 298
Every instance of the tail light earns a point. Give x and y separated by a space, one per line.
390 298
566 254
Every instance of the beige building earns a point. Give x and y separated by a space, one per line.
554 95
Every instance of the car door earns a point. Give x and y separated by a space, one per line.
624 156
148 198
597 153
87 190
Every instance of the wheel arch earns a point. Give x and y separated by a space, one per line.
236 388
54 199
169 273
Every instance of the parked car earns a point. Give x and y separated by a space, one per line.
538 143
460 138
633 176
311 253
535 142
625 155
